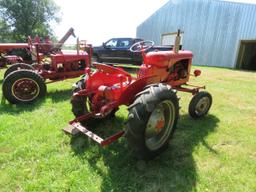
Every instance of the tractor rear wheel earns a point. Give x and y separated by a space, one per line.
23 86
200 104
152 120
17 66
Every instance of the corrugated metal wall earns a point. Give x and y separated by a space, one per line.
212 29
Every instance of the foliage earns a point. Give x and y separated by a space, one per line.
27 17
215 153
4 32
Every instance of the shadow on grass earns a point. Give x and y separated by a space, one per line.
174 170
55 96
59 95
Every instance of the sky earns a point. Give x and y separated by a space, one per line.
99 20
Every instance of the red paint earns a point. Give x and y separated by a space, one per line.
159 125
109 87
197 72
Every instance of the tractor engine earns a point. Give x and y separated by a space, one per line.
179 70
167 66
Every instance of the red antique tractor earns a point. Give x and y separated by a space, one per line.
151 98
6 59
24 83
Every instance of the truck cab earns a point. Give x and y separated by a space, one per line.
117 50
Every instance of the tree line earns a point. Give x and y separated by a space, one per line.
22 18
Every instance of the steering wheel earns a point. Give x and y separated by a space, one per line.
141 46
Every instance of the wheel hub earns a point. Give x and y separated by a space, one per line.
25 89
160 125
202 105
156 121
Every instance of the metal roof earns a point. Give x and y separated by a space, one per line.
241 1
212 28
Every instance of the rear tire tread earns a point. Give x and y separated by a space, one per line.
139 113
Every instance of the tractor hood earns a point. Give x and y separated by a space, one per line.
162 58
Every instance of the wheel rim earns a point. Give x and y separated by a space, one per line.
202 106
25 89
160 125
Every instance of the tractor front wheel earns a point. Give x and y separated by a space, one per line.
152 120
23 86
17 66
200 104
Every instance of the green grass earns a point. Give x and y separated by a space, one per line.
216 153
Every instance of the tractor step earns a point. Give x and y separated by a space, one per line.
76 127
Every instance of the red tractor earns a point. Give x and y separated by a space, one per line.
24 83
6 59
151 98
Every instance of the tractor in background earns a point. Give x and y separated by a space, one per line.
24 83
151 98
6 59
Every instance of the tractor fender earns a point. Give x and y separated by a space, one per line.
128 95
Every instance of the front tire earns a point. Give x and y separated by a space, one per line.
17 66
23 86
152 120
200 104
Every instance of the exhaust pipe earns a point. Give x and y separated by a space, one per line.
177 42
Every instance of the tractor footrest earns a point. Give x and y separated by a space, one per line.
102 142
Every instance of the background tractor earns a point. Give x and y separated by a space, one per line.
151 98
6 59
24 83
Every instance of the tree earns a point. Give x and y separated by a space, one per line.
22 18
4 32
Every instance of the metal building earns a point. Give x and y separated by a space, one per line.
219 32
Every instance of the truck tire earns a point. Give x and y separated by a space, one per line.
152 120
95 58
200 104
23 86
16 67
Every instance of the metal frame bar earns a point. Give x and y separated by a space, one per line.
95 137
193 90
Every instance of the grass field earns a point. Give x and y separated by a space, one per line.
216 153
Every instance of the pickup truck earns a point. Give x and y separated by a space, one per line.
116 50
